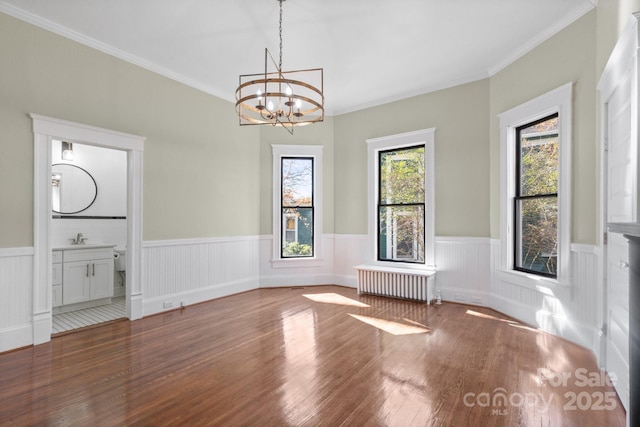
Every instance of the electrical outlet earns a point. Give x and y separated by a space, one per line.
167 304
476 300
459 297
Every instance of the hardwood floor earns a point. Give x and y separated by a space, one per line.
275 357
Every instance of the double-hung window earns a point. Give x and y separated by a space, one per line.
297 204
535 186
401 204
296 207
536 197
401 199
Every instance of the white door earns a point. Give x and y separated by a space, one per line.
619 207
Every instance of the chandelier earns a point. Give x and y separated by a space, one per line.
280 98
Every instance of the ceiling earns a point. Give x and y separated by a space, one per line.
372 51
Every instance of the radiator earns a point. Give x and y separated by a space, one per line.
417 285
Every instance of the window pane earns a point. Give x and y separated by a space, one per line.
402 176
297 232
539 158
401 234
297 182
537 235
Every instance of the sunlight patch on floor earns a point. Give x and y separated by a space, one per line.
333 298
488 316
393 328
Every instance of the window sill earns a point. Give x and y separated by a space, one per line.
531 281
296 262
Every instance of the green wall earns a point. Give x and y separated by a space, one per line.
200 167
569 56
460 116
204 176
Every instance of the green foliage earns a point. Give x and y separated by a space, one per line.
539 216
296 249
402 175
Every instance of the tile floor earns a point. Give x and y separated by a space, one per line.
89 316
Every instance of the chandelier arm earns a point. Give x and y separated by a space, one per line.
288 102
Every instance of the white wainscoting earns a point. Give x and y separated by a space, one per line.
463 269
349 250
296 272
16 304
571 311
190 271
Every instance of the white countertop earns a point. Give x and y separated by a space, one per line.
85 246
628 228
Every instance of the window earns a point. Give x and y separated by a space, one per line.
536 198
297 204
296 207
535 140
401 205
401 194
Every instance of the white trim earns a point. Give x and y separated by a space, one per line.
315 152
556 101
15 337
581 10
207 240
460 239
585 249
194 296
45 129
63 31
12 252
408 139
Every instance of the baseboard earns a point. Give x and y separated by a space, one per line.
16 337
346 280
297 280
464 296
173 301
584 335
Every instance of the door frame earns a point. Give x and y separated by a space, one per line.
623 60
45 129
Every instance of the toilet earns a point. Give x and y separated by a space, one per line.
120 266
120 259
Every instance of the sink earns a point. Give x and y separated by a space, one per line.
84 246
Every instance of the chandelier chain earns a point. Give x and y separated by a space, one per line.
280 63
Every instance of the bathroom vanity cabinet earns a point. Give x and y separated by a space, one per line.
56 281
87 275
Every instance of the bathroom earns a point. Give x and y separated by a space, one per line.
89 208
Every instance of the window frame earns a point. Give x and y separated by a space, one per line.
380 205
424 137
284 216
518 196
280 152
557 101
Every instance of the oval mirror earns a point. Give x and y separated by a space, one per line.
73 189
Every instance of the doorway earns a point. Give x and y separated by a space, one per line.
89 199
47 129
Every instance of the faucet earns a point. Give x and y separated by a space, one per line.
79 240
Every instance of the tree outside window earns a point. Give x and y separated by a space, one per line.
401 205
297 207
536 199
